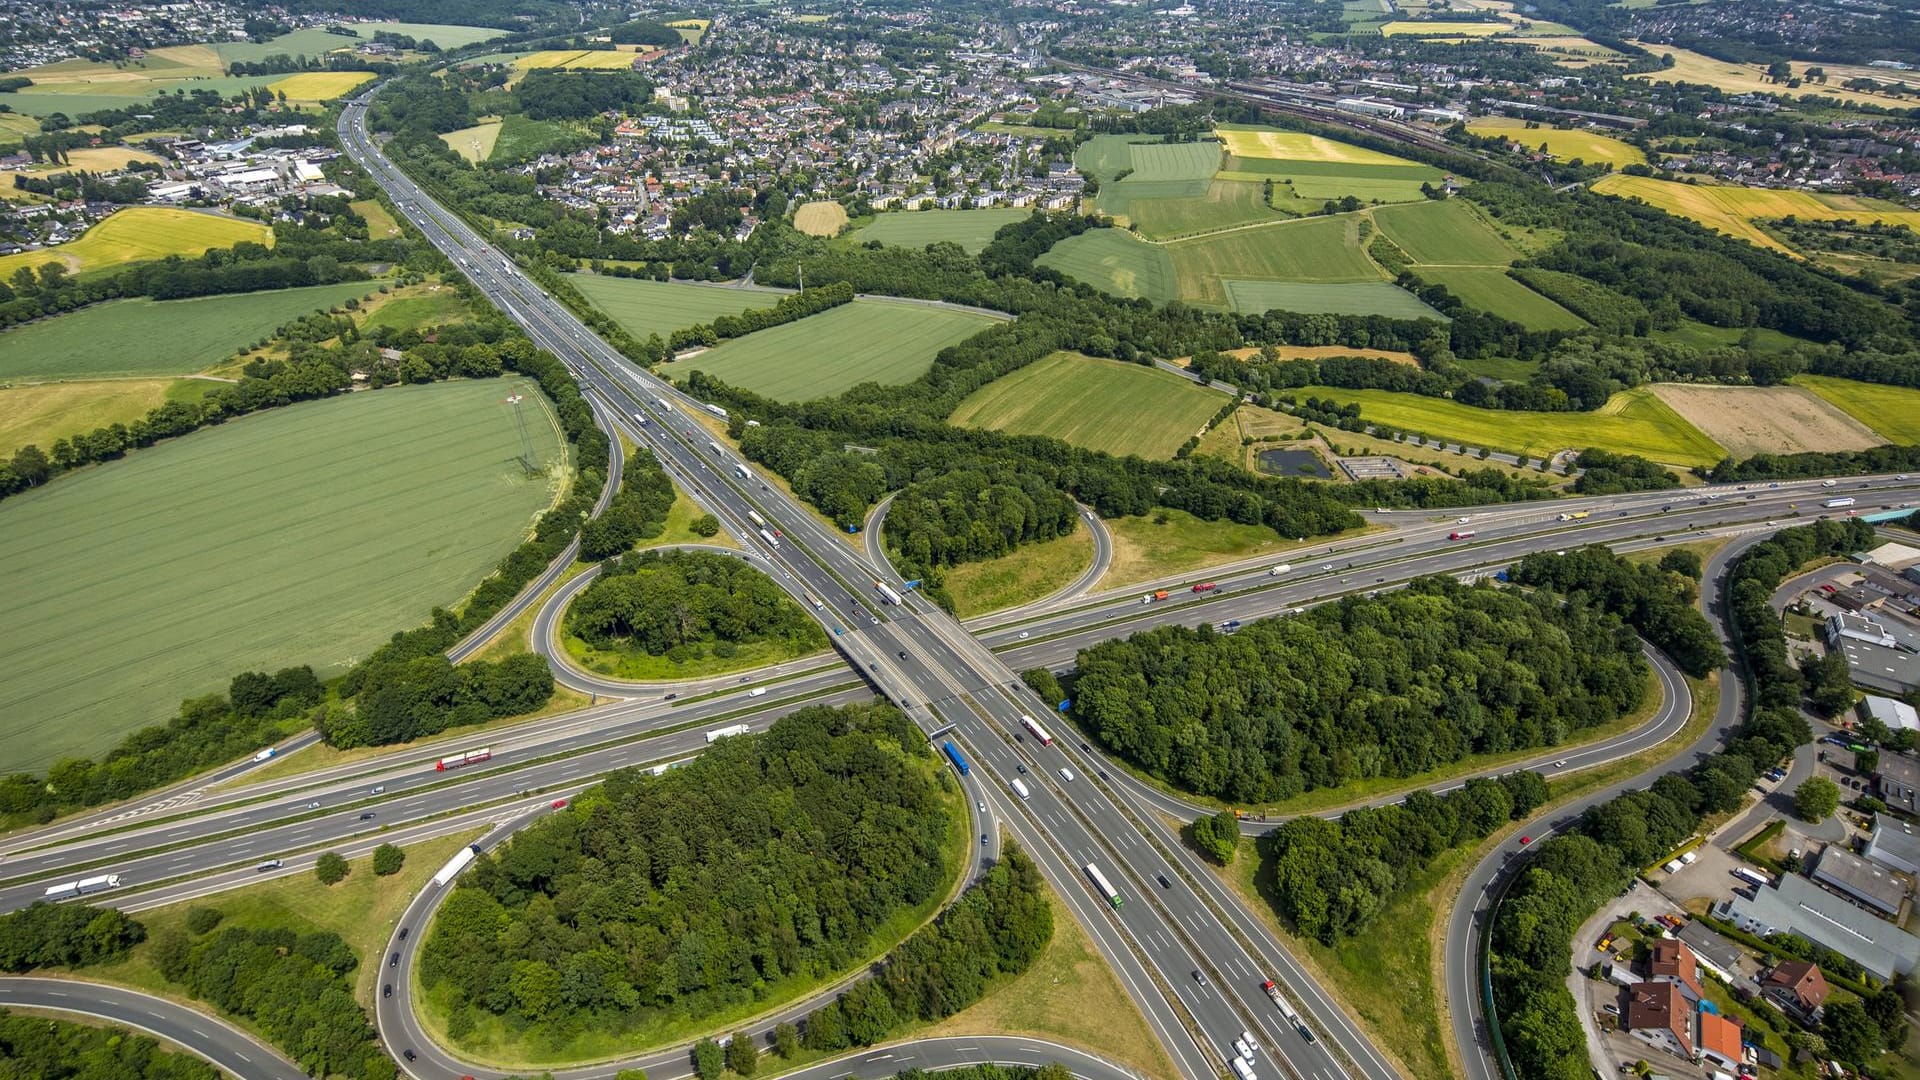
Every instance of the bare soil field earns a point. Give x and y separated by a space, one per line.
1749 420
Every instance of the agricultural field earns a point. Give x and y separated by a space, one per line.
1106 156
1446 233
578 60
1168 210
1331 298
40 413
97 159
1436 28
321 85
138 234
822 218
971 229
646 307
303 535
691 30
1115 261
1633 422
157 337
1891 411
1311 169
822 355
1255 142
1749 420
1098 404
1693 67
1489 289
1322 249
1564 143
1733 210
1174 161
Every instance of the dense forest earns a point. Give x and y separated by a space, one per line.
971 514
1657 600
678 604
767 862
638 511
37 1048
1384 686
65 935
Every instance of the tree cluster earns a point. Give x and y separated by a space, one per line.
1757 632
997 927
1603 472
295 989
1385 686
411 699
577 95
768 858
1334 876
972 514
637 512
65 935
1657 602
675 603
37 1048
1874 459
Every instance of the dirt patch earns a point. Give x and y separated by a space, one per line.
1316 352
1749 420
823 218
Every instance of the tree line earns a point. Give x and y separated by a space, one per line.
769 858
1657 600
38 1048
1333 876
43 935
638 511
1874 459
791 308
1760 635
1385 686
678 603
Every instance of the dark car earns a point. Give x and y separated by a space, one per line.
1085 749
393 959
983 839
368 816
1019 767
403 933
670 697
410 1055
903 654
386 991
1162 879
1199 977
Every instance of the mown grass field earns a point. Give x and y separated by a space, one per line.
522 137
1732 210
1563 143
157 337
1106 156
1316 250
660 307
380 223
320 85
1209 206
1166 542
40 413
474 143
141 233
1114 261
1892 411
1490 289
1032 572
971 229
822 218
825 354
1174 161
1633 422
1258 142
1098 404
1449 232
430 305
303 535
1330 298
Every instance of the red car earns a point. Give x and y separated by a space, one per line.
1525 840
559 804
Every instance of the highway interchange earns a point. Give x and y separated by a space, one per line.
1188 952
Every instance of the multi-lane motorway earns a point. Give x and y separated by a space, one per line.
1182 944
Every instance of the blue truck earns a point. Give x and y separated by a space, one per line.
954 755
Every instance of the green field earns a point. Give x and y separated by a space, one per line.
1633 422
1893 411
1447 233
971 229
1192 207
1320 250
822 355
521 138
1099 404
438 306
646 307
1174 161
139 234
158 337
315 41
1114 261
39 414
1489 289
307 534
1106 156
1337 298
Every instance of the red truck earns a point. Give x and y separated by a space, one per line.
1205 586
1461 535
467 758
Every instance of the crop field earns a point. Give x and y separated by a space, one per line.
1732 210
1563 143
1323 249
1209 206
691 30
1098 404
1633 422
1443 233
1254 142
971 229
661 307
1750 420
822 218
1892 411
1693 67
822 355
1174 161
320 85
98 159
1329 298
39 413
304 535
1489 289
1105 156
1436 28
141 233
578 60
1115 261
157 337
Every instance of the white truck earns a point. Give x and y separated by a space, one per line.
459 862
742 471
1278 570
719 733
71 889
266 754
1020 789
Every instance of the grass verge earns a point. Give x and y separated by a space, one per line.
1031 572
